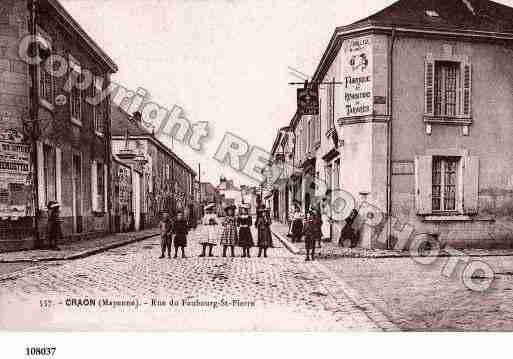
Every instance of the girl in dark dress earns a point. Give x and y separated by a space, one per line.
244 222
180 229
263 223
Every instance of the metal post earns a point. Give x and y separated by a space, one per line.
34 128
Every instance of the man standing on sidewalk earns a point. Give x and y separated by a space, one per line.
54 232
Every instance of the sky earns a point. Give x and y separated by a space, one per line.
223 61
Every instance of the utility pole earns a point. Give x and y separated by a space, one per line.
34 122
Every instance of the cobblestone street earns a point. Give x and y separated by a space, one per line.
280 292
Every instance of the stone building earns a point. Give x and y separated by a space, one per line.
167 181
72 133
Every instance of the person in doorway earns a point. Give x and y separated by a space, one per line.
312 233
263 225
244 222
297 224
180 229
210 222
229 234
325 217
54 231
166 234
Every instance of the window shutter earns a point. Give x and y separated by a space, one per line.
429 91
466 101
41 175
58 173
423 185
94 186
105 189
470 184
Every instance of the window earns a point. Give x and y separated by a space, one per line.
447 80
76 94
444 182
46 85
97 113
448 86
329 172
336 175
98 189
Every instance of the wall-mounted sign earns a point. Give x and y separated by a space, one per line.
357 99
308 101
14 176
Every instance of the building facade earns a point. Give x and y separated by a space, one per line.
59 138
414 123
167 181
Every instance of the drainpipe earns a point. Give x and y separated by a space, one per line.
389 137
34 109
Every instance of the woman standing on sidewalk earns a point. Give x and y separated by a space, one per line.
244 222
229 235
297 224
210 222
263 223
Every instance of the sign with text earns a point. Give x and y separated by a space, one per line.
14 177
357 99
308 101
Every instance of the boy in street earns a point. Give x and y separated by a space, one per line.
180 229
166 228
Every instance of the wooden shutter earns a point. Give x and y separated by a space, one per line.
94 186
466 81
429 87
58 174
41 175
423 184
470 184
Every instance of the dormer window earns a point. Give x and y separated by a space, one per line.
432 13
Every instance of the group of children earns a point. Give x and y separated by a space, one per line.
235 232
173 231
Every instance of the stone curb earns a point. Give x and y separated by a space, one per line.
81 254
288 244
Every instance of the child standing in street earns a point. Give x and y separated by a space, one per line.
263 223
166 229
210 222
229 235
313 233
180 229
244 222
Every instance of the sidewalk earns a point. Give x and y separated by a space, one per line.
331 250
78 249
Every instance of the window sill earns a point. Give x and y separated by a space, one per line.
76 121
448 120
447 217
47 105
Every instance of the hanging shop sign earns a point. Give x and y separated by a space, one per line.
308 100
14 176
357 96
